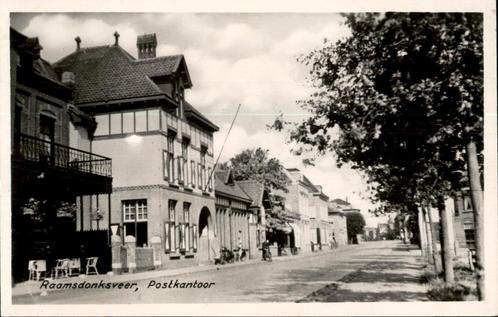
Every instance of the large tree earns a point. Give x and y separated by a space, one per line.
355 224
401 100
256 164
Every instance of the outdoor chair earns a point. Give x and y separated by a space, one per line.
35 268
74 264
91 264
61 266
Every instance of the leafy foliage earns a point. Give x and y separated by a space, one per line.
355 224
256 164
398 100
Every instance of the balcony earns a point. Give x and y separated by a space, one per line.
48 154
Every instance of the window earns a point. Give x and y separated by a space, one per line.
192 173
47 128
168 158
102 125
140 121
186 212
184 160
116 123
128 122
171 210
171 240
202 171
153 122
468 228
135 219
199 175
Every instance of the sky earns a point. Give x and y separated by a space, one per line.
233 58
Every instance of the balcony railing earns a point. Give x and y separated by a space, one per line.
58 155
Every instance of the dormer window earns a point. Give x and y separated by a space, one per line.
180 98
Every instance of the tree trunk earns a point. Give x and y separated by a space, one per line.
430 251
446 245
477 203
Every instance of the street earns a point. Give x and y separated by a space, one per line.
279 281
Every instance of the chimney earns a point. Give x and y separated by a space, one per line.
146 45
78 42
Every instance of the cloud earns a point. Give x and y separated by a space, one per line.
57 33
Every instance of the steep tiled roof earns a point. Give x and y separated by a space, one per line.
109 73
253 189
106 73
232 189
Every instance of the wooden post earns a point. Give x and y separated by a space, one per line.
477 203
436 255
422 236
430 250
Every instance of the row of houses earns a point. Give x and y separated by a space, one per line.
105 144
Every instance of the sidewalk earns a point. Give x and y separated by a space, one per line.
33 287
391 277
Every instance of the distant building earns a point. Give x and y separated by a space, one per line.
311 231
236 221
370 234
337 219
463 220
259 205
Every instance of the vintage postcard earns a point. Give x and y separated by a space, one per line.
249 160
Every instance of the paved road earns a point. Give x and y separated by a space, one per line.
278 281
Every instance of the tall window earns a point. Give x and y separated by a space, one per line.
192 173
185 243
172 210
135 219
186 212
169 158
183 161
171 241
469 233
203 167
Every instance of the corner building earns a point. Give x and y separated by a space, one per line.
161 146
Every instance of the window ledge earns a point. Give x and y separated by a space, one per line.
174 255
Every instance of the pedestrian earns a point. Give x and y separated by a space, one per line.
239 245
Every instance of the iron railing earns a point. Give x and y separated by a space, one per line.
53 154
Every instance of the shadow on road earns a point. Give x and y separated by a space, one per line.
387 277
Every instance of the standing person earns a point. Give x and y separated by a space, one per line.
239 245
266 251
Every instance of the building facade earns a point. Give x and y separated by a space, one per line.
161 145
313 230
53 164
258 207
236 222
